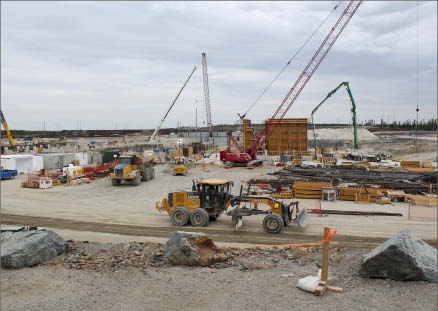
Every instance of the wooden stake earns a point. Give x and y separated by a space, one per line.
325 256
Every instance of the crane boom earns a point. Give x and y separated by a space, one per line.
305 76
5 125
353 110
206 93
171 105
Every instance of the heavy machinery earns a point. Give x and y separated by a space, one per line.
171 105
133 168
5 125
206 94
353 110
211 197
179 167
246 156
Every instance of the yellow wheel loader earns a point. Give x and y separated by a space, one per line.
212 197
133 168
179 168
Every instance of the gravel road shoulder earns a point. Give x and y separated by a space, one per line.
252 279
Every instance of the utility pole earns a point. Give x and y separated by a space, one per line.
416 128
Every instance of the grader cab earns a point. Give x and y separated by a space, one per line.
207 200
212 197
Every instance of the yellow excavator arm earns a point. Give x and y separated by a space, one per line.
5 125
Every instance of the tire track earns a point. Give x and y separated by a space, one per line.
220 235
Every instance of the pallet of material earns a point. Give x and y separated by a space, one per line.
393 194
282 195
419 169
430 200
405 164
309 190
327 160
30 184
359 194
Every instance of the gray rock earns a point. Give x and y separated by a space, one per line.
192 249
404 257
29 248
6 235
180 250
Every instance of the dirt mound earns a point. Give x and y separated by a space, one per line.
345 133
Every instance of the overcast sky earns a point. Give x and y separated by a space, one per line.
108 63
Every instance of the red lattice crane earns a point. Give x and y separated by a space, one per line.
206 94
298 86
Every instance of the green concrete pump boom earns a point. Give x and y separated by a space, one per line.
353 110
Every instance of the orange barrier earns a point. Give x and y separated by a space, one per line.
330 234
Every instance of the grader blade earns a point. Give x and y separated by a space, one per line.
302 218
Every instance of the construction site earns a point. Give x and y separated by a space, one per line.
343 216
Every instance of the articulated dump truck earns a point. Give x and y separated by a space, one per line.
133 168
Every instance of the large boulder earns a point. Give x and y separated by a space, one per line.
29 248
192 249
404 257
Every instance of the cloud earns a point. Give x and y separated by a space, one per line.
123 62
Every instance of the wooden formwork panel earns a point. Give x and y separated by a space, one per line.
289 135
248 136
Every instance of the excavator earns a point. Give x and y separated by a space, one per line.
353 110
209 198
5 125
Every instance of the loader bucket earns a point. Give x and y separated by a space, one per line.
302 218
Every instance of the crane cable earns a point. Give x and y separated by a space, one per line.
288 63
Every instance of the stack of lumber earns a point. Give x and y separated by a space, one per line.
282 195
414 164
419 169
360 194
423 200
416 167
309 190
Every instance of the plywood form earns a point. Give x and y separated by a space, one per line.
290 135
247 134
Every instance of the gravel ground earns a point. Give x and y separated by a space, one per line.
103 276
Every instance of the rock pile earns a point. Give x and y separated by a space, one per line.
192 249
404 257
113 257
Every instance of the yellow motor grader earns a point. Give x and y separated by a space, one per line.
209 198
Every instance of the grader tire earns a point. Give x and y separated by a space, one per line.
137 180
199 218
115 182
273 223
184 173
146 174
180 216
